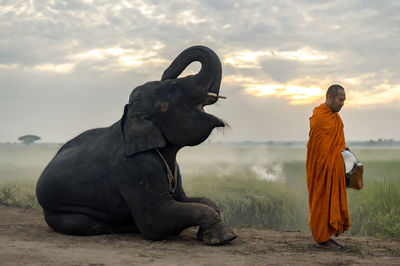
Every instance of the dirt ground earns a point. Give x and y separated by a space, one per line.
25 239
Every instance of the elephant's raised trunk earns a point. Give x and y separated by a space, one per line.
208 78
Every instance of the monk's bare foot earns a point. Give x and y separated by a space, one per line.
336 243
327 245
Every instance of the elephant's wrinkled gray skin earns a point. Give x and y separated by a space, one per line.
112 179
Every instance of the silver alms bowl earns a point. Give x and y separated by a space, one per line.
350 160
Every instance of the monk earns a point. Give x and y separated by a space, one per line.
326 171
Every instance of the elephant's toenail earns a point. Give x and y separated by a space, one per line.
214 241
229 236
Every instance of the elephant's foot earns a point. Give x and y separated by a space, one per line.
215 234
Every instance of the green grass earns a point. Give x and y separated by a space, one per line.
18 193
226 175
375 210
381 170
245 200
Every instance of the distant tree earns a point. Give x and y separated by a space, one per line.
28 139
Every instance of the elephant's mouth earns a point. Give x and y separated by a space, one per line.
209 100
212 98
200 107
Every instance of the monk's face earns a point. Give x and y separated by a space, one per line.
336 103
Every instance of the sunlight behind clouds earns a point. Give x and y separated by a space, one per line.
246 59
251 59
100 53
116 58
122 59
295 94
60 68
380 95
299 95
303 54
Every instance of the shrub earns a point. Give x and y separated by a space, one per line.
18 193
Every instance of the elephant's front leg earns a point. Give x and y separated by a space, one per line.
205 201
202 200
181 196
158 216
176 216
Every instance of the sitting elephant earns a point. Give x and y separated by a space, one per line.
119 179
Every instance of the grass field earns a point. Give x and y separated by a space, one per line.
255 186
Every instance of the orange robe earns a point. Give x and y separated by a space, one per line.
326 175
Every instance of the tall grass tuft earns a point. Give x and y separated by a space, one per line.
245 200
18 193
375 210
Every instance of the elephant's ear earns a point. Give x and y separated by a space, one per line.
140 133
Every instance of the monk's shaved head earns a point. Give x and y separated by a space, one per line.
333 90
335 97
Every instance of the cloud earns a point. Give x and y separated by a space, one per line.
271 51
251 59
61 68
295 94
383 94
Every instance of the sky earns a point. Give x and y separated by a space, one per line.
69 66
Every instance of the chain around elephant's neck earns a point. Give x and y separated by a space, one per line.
172 179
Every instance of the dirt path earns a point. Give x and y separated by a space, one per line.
25 239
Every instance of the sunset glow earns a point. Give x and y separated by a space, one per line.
101 53
380 95
309 90
304 54
251 59
122 59
60 68
295 94
246 59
